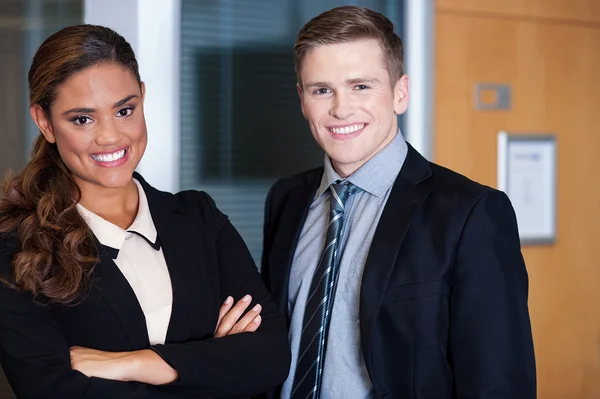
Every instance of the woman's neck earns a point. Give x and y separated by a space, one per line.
117 205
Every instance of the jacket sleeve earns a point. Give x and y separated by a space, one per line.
242 364
35 356
491 345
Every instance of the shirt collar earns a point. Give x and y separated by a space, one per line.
113 236
377 175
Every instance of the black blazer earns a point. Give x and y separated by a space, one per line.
443 307
207 261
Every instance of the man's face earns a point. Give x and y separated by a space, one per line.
349 101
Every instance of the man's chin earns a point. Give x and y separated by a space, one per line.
345 166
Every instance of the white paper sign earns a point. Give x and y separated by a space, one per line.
527 174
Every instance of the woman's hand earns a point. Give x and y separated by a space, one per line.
141 366
229 317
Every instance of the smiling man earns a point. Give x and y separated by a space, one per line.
399 278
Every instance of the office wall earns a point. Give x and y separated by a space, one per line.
578 11
12 151
549 53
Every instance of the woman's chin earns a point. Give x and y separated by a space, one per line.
112 180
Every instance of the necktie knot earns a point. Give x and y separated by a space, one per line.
340 192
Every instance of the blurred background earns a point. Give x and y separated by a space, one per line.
223 116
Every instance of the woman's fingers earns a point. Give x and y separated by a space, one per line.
225 307
246 323
231 317
253 326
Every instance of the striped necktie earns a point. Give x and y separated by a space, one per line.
315 325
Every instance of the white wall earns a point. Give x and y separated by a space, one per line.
152 27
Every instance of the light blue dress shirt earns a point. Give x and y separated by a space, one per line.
344 374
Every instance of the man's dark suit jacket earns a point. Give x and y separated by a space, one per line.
207 261
443 306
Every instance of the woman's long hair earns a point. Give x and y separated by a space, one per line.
56 251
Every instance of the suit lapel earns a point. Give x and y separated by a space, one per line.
118 294
176 247
286 238
406 197
178 242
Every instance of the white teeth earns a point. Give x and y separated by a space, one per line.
347 129
115 156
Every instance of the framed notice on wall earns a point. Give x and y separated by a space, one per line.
527 174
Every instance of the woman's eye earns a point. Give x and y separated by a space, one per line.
125 112
81 120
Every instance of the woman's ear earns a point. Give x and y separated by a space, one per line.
43 122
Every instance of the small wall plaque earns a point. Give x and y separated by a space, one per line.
492 96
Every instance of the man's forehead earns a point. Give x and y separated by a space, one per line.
362 53
361 44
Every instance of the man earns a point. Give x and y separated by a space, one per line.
399 278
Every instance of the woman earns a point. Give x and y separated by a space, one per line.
112 289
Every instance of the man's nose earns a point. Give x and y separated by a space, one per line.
342 106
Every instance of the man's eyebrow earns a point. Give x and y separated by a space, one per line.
316 84
348 82
355 81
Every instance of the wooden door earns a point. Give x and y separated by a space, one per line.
553 68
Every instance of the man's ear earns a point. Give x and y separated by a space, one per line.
401 95
42 120
300 92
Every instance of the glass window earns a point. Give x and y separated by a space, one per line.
241 124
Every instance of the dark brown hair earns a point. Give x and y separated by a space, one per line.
57 250
348 23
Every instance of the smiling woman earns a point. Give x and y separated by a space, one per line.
110 287
101 141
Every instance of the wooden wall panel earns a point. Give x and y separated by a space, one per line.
553 70
577 10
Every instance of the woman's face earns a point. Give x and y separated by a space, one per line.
97 122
